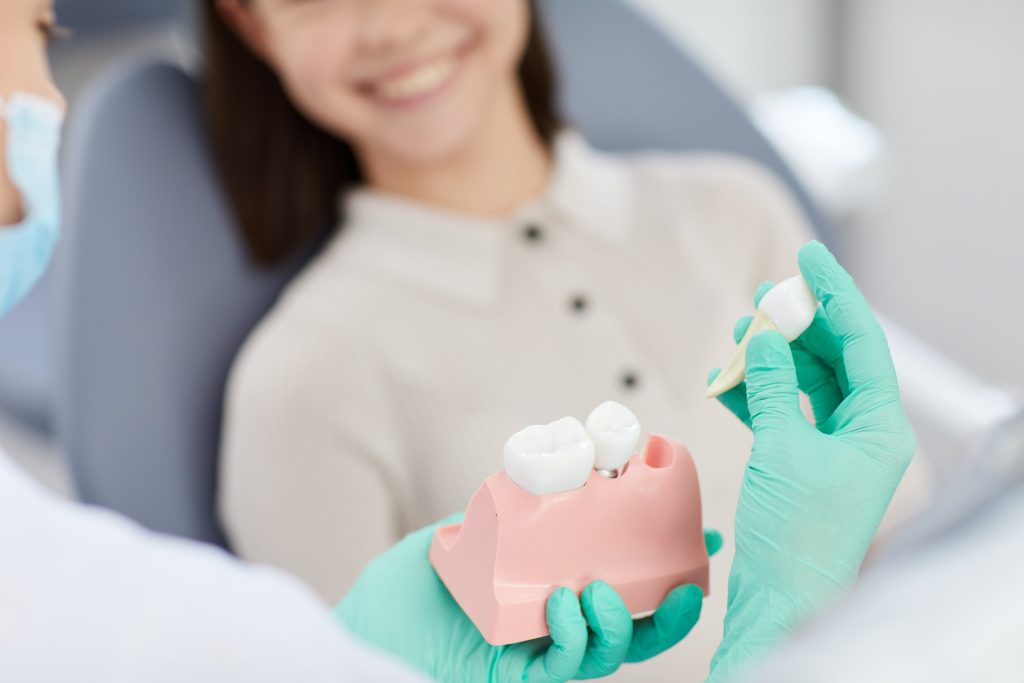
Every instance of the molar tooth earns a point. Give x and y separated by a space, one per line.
550 458
615 432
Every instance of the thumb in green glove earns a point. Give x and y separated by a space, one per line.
400 606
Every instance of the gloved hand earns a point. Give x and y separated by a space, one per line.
812 497
818 357
400 606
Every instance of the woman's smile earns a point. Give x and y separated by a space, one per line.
418 82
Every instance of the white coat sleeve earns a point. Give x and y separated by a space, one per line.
86 595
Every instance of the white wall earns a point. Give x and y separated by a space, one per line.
753 45
943 254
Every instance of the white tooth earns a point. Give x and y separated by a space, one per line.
788 308
418 81
550 458
615 432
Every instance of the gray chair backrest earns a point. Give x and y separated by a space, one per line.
26 361
628 86
159 295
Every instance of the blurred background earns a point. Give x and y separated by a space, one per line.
901 118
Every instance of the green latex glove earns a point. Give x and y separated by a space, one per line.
818 357
400 606
812 497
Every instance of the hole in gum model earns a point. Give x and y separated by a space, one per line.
659 454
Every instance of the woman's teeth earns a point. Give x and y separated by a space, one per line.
417 82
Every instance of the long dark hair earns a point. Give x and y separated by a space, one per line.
283 174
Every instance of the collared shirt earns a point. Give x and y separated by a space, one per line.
86 595
377 396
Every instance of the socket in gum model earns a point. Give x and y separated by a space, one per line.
573 505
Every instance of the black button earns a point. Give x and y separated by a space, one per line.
630 380
579 304
533 233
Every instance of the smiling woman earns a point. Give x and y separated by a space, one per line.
487 270
306 100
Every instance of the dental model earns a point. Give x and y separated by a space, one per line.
574 504
788 308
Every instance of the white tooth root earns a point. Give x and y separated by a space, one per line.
615 431
551 458
735 371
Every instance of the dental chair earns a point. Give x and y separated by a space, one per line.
26 363
157 295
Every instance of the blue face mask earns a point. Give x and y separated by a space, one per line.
32 144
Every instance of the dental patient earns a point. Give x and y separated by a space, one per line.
484 269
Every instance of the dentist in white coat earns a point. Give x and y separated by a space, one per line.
84 594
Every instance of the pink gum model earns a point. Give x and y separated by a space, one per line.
641 533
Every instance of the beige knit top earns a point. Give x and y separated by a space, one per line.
378 394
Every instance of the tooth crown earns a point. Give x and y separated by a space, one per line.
551 458
791 306
615 432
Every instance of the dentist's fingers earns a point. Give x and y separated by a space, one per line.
773 395
611 631
568 631
712 541
821 341
818 340
741 327
865 349
762 289
735 400
815 377
818 381
670 623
